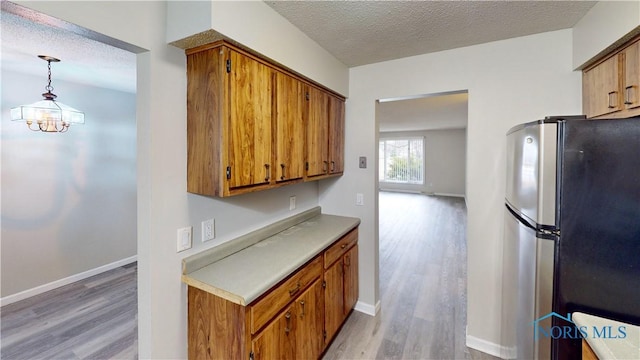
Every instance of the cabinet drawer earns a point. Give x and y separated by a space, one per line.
266 308
340 247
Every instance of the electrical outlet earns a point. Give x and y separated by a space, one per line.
292 202
208 230
184 239
359 199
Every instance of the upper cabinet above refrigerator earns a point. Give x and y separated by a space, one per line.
611 86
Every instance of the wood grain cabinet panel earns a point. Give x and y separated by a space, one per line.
289 128
341 281
334 298
310 322
350 279
278 340
632 76
336 135
601 88
248 129
325 134
317 130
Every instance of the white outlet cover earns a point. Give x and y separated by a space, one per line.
208 230
292 202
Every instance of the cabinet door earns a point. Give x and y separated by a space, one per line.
336 135
278 339
601 88
317 132
310 316
289 122
632 76
249 127
333 298
350 279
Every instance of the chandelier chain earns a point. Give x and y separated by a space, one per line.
49 88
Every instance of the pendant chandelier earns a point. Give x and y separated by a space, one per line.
49 115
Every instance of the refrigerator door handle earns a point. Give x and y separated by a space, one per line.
542 232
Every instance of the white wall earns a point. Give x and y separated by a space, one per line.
444 162
509 82
69 200
263 30
603 25
163 203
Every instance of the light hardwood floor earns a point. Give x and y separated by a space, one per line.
95 318
422 285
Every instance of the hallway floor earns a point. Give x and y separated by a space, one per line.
423 274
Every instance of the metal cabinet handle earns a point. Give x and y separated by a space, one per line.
325 165
294 290
609 99
333 166
627 97
343 246
268 176
282 167
287 316
302 305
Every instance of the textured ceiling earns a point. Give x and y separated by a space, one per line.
433 112
355 32
364 32
83 60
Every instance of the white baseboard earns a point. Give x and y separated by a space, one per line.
367 308
66 281
491 348
401 190
449 194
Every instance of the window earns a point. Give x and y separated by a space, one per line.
402 160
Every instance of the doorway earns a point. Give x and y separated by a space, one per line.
422 220
71 214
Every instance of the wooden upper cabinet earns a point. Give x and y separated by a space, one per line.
325 134
336 135
289 128
611 88
632 76
253 125
248 129
601 88
317 138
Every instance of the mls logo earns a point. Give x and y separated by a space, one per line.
571 331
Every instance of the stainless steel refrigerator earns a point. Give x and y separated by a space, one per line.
573 224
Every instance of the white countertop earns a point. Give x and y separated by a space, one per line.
246 274
623 341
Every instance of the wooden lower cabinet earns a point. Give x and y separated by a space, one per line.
341 281
587 351
297 332
296 319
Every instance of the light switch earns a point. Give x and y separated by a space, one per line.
359 199
363 162
184 239
292 202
